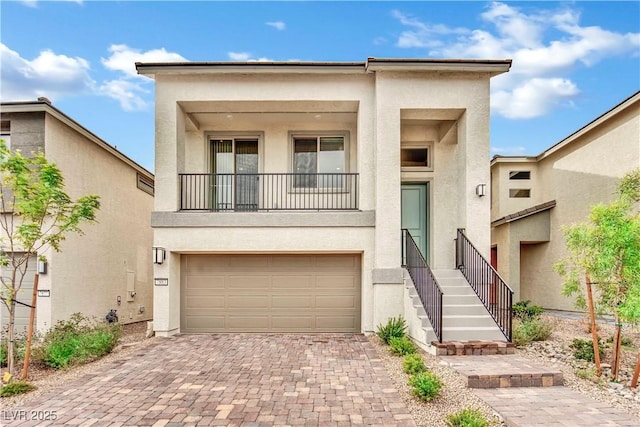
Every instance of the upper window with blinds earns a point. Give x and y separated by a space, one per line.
320 160
518 175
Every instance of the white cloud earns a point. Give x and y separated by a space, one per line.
278 25
421 34
126 93
533 98
49 74
239 56
545 45
123 58
246 57
129 88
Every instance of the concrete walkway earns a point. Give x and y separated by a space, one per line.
528 394
250 380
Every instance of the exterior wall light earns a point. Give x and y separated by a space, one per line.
159 255
481 190
42 267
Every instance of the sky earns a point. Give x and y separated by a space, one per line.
572 61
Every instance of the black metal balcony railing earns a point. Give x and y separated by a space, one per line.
494 292
425 282
268 192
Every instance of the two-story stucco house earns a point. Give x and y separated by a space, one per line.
282 187
534 197
110 266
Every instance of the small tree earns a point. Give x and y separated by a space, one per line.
606 250
35 214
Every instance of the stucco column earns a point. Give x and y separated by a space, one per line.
166 298
387 275
474 137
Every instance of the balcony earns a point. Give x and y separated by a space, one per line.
266 192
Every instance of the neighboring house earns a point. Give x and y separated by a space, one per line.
110 266
532 198
282 187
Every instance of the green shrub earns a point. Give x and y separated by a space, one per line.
624 341
20 345
530 330
402 346
426 386
467 417
524 311
76 341
395 328
413 364
583 349
13 389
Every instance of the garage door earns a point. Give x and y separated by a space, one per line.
270 293
25 294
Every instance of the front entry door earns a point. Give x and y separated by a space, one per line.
414 214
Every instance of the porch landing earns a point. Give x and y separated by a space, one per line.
503 371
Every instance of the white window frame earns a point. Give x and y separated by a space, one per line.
319 134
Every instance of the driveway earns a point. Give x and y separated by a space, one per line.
231 380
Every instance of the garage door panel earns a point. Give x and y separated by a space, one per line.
204 323
290 301
248 263
248 323
270 293
292 323
248 282
336 302
248 301
204 282
205 264
292 282
204 302
336 282
292 262
337 262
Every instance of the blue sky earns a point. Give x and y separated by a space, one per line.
572 60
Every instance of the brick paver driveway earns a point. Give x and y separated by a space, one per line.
238 380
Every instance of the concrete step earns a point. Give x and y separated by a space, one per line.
467 333
457 290
457 299
463 309
501 371
443 273
468 320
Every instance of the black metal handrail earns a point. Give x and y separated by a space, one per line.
492 290
268 192
425 282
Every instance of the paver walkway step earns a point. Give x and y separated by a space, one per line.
552 407
502 371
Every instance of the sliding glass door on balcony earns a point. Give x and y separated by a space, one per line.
235 168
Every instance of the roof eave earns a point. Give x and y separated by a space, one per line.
42 106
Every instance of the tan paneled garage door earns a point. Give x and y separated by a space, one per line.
270 293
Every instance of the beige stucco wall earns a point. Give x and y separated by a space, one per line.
576 176
113 257
460 163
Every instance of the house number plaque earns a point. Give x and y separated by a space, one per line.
44 293
161 281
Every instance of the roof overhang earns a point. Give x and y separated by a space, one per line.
492 67
524 213
43 106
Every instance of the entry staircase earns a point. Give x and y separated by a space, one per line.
470 303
